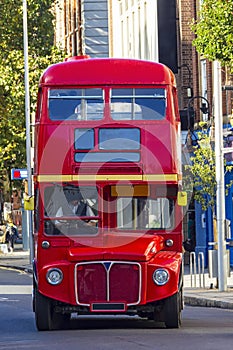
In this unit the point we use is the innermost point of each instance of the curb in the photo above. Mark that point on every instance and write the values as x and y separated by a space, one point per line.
203 302
21 268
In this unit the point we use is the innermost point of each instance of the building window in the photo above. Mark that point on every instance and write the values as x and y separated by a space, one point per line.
137 36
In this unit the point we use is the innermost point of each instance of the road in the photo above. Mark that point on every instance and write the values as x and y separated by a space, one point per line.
202 328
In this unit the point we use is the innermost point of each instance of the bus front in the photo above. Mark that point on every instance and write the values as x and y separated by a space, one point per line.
108 226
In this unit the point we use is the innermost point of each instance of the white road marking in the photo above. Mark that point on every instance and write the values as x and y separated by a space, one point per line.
15 289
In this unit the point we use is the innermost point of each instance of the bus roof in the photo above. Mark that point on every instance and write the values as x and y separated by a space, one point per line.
112 71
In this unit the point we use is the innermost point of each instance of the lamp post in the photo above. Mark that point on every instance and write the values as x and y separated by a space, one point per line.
27 121
220 193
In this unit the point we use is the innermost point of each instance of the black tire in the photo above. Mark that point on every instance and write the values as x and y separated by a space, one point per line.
43 312
45 316
172 311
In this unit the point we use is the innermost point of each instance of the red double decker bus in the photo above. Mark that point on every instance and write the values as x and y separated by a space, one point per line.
107 222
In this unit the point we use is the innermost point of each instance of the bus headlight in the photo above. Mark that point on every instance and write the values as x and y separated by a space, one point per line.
54 276
160 277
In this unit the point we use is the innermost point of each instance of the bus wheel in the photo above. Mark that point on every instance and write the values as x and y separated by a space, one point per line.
172 311
46 318
43 312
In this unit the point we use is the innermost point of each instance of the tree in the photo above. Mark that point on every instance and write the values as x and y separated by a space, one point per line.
40 26
214 31
12 91
200 176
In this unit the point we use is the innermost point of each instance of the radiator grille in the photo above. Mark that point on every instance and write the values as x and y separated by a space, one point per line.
108 281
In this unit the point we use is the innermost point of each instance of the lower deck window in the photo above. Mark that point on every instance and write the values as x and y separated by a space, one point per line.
145 213
82 210
71 210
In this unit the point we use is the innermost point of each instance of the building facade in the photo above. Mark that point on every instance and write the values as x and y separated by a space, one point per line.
82 27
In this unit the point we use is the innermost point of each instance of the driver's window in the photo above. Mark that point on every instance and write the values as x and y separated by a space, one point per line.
70 208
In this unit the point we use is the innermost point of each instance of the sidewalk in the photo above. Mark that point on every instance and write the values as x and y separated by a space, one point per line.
201 290
19 259
193 296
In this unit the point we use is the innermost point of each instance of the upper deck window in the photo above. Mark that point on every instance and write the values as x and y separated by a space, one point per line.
76 104
119 138
125 103
138 104
107 139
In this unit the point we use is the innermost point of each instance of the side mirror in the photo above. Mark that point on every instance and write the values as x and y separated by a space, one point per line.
29 203
182 198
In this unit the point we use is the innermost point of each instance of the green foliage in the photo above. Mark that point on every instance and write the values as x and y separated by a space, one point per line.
12 87
200 176
202 173
40 26
214 31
